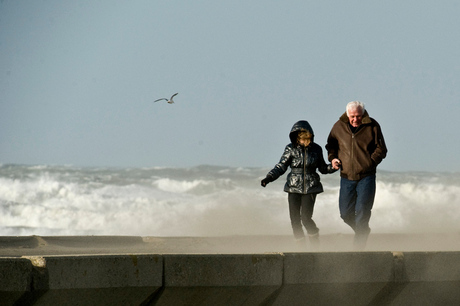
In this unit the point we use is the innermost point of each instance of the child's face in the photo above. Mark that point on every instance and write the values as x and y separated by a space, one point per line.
304 140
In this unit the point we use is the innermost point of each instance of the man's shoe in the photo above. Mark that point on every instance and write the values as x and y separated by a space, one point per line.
314 241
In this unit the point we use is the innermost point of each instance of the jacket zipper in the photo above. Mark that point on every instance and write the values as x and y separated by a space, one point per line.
353 141
352 152
305 170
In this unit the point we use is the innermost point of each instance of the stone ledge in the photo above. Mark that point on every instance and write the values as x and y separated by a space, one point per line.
348 278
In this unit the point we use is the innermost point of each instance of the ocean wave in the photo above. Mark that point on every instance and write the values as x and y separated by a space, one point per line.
205 200
193 186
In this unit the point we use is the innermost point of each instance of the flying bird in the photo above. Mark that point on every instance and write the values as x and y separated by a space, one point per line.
170 101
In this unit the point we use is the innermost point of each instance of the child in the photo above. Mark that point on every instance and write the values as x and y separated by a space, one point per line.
303 183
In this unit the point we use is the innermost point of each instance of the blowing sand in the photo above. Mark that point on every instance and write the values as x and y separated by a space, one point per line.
16 246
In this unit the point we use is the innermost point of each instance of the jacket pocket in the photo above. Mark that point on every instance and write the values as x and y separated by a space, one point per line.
365 165
313 180
294 181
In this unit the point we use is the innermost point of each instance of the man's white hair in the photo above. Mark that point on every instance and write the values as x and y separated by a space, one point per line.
355 105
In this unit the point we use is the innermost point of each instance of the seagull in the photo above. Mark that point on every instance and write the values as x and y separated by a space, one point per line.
170 101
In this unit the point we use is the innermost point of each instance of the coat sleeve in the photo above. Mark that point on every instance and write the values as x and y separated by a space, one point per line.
380 151
332 146
282 166
323 167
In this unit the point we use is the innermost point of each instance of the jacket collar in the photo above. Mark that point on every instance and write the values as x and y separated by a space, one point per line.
366 118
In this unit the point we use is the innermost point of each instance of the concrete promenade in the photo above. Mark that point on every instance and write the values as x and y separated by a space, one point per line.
248 270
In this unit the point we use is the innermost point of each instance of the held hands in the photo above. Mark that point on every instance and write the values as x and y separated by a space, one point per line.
336 164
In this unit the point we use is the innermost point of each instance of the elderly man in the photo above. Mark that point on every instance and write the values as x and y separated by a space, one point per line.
356 146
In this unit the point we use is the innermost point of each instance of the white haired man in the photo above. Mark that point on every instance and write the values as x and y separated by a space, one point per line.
356 146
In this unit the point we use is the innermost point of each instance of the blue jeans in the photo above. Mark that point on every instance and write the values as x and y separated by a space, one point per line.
355 203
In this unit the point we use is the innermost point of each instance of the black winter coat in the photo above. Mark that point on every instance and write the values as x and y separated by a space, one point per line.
303 161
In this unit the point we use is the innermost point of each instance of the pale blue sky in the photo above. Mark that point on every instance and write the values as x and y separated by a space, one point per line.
78 79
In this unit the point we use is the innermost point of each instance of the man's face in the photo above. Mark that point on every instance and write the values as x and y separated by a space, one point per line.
355 116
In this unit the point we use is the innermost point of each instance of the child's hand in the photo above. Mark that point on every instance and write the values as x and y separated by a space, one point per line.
265 181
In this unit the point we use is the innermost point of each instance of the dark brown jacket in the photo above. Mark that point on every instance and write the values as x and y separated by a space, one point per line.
359 152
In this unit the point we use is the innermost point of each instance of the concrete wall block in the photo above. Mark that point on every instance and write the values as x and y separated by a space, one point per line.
359 267
429 278
15 278
343 294
223 270
335 278
124 296
432 266
98 280
220 279
212 296
15 274
104 271
427 293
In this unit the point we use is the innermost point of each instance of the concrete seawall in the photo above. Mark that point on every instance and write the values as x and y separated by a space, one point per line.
293 278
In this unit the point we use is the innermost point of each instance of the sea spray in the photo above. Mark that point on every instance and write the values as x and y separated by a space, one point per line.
205 201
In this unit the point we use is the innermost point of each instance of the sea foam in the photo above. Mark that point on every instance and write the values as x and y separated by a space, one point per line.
205 201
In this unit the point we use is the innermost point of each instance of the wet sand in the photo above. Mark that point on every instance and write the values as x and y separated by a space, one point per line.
17 246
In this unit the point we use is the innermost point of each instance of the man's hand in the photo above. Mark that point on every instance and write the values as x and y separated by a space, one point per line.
336 164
